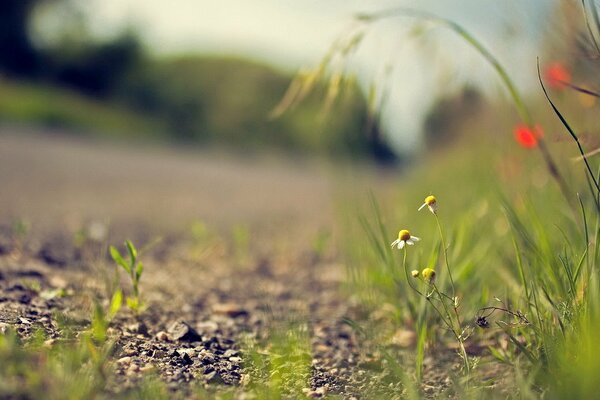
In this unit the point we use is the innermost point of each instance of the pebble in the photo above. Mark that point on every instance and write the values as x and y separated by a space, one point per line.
124 360
162 336
189 352
183 332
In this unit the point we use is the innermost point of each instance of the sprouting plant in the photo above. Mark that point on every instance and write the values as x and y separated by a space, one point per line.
446 306
134 268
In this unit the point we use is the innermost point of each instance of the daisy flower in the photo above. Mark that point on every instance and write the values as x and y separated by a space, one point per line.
404 238
431 203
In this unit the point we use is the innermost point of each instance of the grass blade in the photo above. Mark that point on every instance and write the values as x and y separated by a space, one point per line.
569 129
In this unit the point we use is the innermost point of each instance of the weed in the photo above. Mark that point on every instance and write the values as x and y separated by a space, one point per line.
134 269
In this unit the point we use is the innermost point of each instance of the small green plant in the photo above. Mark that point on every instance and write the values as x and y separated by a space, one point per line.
134 269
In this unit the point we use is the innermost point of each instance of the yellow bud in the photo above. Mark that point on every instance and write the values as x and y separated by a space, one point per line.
430 200
428 275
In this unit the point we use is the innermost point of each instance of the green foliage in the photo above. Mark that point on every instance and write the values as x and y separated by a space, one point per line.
281 367
134 269
47 106
228 101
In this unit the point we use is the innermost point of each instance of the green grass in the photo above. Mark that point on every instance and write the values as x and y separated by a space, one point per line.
512 236
30 104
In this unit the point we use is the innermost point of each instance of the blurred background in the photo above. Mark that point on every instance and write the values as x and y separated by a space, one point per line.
212 77
207 73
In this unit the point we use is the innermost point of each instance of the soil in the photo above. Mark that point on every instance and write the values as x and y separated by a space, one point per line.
226 244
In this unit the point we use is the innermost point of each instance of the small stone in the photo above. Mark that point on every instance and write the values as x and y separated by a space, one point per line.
235 360
162 336
3 327
138 327
181 331
231 310
189 352
214 378
124 360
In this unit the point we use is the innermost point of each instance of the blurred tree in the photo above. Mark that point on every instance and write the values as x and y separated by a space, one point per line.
96 68
18 56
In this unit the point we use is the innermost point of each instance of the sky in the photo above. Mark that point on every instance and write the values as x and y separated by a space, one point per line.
293 34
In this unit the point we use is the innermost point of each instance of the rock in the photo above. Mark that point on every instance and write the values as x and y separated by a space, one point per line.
162 336
138 327
214 378
231 310
230 353
189 352
182 332
124 360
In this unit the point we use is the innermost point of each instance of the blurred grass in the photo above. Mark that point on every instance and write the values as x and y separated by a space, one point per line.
197 101
45 106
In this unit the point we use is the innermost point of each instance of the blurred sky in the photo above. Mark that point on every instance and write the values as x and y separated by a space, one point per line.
296 33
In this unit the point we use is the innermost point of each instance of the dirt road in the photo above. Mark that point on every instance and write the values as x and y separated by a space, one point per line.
203 294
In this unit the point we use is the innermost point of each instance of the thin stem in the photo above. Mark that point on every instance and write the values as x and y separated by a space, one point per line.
407 275
439 225
456 332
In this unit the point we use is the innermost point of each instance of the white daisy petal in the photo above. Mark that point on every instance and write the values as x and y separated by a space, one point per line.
410 242
420 208
416 239
401 244
395 242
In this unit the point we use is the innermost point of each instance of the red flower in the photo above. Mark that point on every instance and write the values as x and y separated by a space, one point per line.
528 137
557 75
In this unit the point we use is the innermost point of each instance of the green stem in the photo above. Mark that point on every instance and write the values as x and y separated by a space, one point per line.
439 225
456 332
407 274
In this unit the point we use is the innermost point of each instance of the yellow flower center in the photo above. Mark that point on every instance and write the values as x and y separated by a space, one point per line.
404 235
430 200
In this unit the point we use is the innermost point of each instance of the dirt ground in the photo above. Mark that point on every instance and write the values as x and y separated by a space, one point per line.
228 256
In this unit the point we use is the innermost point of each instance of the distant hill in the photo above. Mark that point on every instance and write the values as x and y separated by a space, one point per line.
201 101
228 101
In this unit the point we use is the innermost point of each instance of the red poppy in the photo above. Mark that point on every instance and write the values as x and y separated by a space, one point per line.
528 137
557 75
